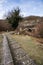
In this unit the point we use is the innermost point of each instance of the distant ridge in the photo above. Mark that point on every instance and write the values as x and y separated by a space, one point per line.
4 25
32 17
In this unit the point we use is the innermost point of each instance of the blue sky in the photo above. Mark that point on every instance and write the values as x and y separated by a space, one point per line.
28 7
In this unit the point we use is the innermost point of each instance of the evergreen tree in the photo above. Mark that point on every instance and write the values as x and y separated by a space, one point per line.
14 17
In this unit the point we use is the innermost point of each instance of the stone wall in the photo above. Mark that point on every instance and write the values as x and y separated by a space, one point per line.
19 55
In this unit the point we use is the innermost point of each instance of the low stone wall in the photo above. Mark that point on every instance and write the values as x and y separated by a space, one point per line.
20 57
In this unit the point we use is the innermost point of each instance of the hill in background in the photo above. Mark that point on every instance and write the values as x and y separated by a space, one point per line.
4 25
31 25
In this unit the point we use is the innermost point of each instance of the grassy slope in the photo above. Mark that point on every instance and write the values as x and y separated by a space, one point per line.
32 47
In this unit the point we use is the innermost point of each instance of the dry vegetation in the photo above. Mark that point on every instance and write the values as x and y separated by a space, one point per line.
39 27
31 46
4 25
35 23
32 25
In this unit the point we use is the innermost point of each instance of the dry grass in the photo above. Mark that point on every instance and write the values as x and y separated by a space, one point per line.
40 40
31 46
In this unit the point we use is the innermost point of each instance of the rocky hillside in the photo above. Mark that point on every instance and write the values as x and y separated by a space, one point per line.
30 25
30 21
33 19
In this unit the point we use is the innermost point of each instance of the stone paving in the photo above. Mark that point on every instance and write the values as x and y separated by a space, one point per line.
7 58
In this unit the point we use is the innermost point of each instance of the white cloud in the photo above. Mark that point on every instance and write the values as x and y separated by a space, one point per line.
28 7
1 14
32 8
2 8
3 1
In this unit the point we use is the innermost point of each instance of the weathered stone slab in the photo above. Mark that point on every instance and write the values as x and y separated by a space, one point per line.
7 57
20 57
15 46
